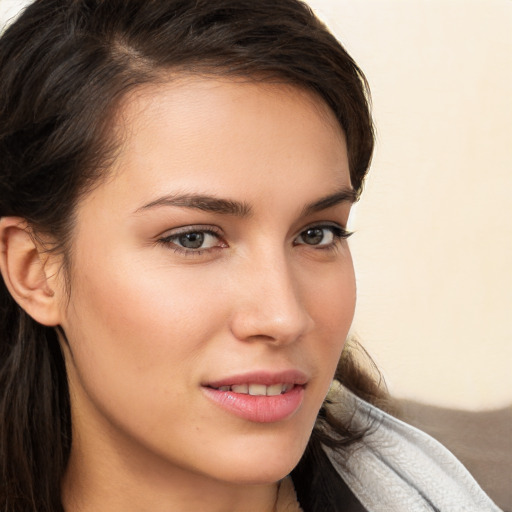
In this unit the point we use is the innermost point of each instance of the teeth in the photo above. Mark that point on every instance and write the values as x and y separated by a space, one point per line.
258 389
241 388
287 387
274 390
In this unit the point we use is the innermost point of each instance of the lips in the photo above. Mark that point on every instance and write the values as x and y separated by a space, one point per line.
262 397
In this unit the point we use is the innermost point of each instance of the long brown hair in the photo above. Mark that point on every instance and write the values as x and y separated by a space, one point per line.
65 65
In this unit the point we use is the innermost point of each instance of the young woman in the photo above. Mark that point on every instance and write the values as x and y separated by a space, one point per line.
176 180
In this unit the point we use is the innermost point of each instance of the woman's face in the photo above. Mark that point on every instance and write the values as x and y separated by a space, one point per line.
210 269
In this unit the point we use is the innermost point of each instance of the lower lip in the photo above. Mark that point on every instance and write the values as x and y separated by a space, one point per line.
259 409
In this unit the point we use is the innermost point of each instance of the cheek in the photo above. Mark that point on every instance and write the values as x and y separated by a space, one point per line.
139 338
330 294
155 306
135 332
331 303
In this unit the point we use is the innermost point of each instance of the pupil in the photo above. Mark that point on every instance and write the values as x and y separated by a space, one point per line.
192 240
313 236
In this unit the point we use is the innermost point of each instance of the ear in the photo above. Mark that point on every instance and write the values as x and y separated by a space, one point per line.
28 272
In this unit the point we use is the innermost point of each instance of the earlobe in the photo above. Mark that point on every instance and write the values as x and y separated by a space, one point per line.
25 271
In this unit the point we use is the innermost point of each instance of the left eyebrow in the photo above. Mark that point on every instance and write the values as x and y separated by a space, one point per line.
201 202
346 195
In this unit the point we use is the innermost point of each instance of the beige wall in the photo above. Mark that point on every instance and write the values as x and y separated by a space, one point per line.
433 247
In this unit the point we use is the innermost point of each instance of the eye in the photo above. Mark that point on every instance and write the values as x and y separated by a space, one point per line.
193 240
322 236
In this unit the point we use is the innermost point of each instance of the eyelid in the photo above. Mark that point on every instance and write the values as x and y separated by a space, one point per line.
338 231
342 230
183 230
168 237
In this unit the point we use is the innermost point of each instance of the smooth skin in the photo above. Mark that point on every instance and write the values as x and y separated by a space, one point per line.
168 293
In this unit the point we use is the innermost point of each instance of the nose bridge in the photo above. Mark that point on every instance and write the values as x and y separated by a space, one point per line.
271 307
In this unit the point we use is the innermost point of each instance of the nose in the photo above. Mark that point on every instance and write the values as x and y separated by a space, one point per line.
268 305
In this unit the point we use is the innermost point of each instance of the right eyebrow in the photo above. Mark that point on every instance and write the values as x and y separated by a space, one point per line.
201 202
345 195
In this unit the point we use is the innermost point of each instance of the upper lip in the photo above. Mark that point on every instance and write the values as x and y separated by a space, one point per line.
268 378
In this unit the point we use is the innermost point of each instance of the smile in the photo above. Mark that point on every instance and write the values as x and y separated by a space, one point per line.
258 389
261 396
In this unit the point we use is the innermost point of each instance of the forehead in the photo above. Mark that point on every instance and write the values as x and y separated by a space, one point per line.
225 134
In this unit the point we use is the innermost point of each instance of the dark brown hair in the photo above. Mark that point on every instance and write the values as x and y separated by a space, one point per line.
65 65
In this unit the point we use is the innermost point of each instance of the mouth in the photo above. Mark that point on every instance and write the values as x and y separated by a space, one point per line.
257 389
259 397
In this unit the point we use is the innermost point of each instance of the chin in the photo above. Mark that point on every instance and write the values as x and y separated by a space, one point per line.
264 460
261 474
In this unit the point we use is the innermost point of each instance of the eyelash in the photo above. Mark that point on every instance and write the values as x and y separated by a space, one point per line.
168 240
339 233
